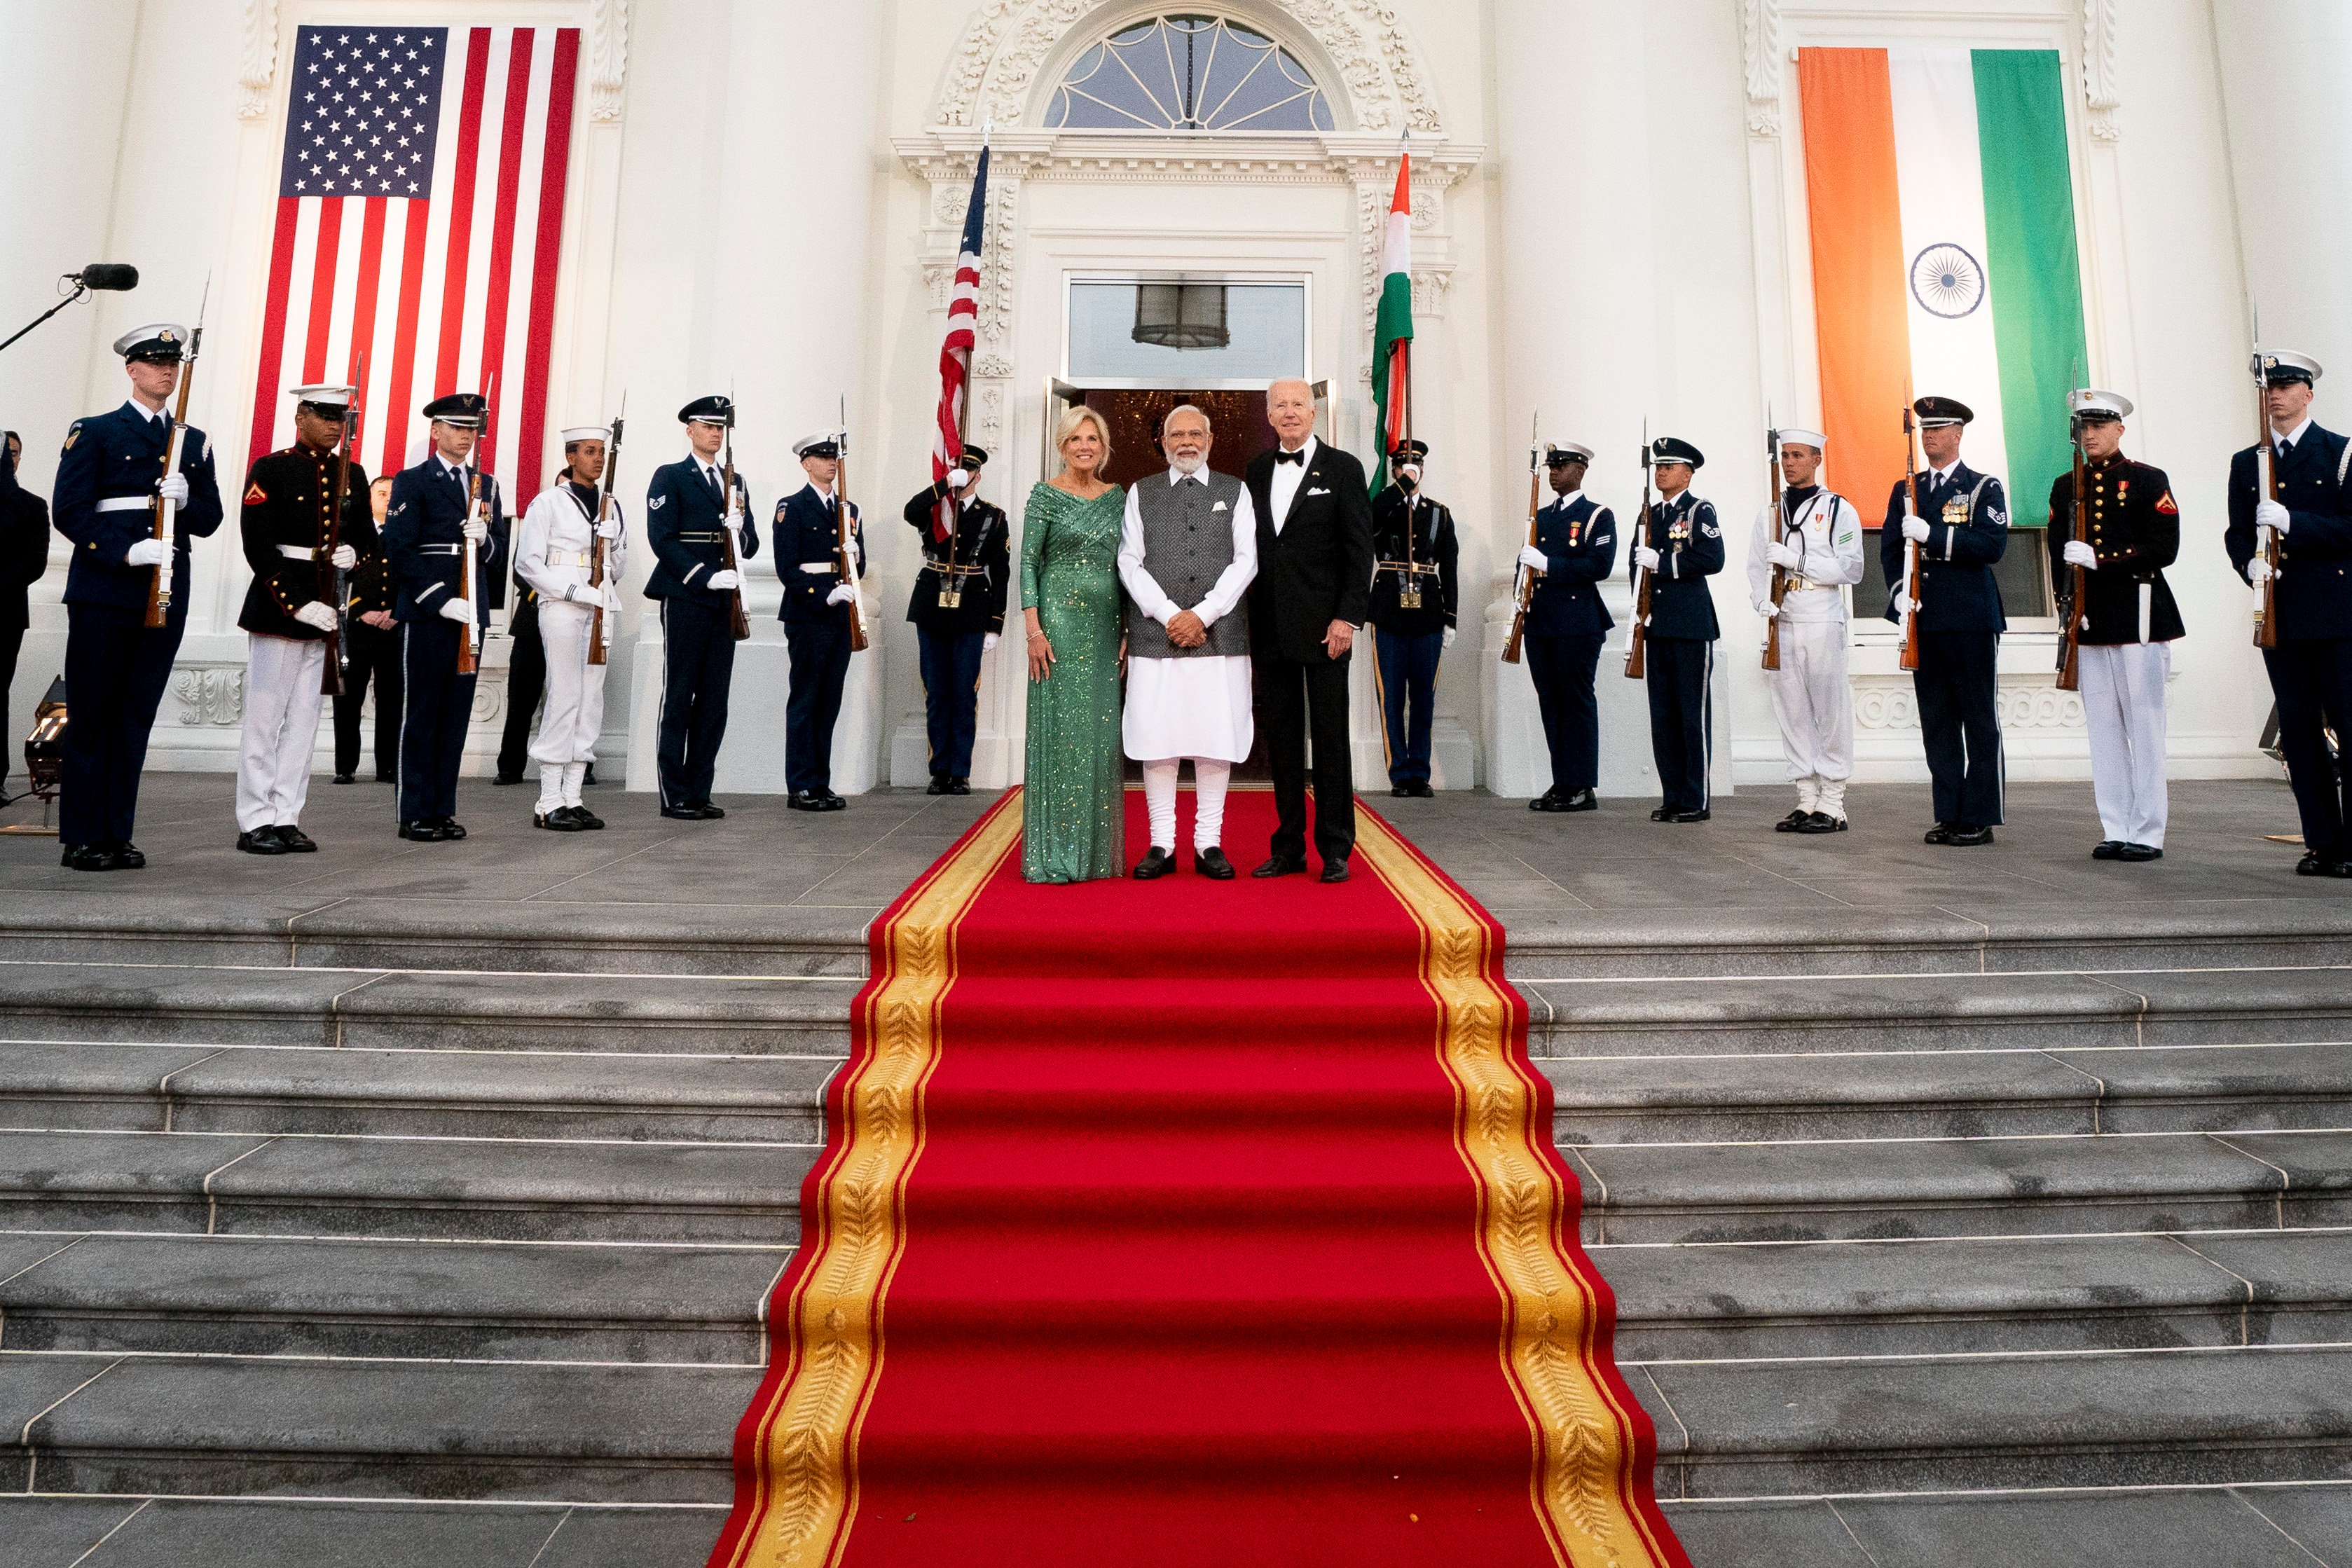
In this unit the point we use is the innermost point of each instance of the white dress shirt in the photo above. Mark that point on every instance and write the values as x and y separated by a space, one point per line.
1287 478
1223 594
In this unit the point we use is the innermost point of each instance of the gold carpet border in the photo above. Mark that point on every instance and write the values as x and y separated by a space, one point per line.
805 1459
1582 1437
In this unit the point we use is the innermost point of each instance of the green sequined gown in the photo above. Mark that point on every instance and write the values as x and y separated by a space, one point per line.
1074 811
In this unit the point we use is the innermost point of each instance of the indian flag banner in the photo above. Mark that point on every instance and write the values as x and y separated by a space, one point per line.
1392 331
1942 215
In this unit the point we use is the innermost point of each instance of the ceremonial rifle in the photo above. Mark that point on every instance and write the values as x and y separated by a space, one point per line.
2266 486
333 582
2077 614
166 514
1910 659
1780 533
844 560
951 589
1636 640
599 634
1524 590
470 647
737 622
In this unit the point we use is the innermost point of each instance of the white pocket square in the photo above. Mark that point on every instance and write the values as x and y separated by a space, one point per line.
1318 491
1218 507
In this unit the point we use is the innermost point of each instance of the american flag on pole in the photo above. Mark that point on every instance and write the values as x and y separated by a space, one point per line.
955 352
420 211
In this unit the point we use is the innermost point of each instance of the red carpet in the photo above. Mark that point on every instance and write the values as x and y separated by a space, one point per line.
1191 1223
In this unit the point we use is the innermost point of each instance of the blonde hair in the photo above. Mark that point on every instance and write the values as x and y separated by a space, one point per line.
1082 414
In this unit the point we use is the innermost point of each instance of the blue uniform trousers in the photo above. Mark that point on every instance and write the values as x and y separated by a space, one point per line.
698 668
1959 724
437 704
116 670
2313 683
820 652
951 663
1561 669
1681 721
1406 664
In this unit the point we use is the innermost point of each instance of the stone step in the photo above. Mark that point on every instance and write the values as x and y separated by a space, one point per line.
505 1430
1753 1097
1757 1428
411 1093
2210 1289
1964 1186
434 1188
225 1295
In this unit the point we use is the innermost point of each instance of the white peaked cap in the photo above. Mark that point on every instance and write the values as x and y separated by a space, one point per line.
2274 360
325 397
2087 401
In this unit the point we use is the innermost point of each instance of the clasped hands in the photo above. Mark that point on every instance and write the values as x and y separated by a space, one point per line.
1186 629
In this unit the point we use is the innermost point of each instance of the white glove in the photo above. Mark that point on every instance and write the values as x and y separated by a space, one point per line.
725 580
2078 553
1904 604
148 553
1534 560
842 593
987 642
1783 555
477 529
958 477
1914 529
610 527
344 558
612 598
1449 639
317 613
174 488
2258 572
1766 608
457 610
1645 558
2270 514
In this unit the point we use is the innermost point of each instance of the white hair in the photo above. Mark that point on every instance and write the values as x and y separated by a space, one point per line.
1186 409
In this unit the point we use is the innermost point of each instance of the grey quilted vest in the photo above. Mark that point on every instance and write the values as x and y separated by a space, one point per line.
1188 543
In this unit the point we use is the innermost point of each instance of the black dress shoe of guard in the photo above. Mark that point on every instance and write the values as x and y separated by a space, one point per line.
346 778
2311 864
383 777
1156 863
1424 790
451 828
1212 863
1663 814
1578 800
1334 871
1939 834
125 856
1794 822
82 857
585 817
2139 853
2107 850
297 842
709 813
1701 814
830 801
1280 865
559 820
263 840
422 832
1969 838
694 812
955 786
939 784
505 779
799 800
1547 801
1400 792
2340 868
1823 822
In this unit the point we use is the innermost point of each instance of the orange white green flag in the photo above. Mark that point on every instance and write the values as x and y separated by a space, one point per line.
1392 331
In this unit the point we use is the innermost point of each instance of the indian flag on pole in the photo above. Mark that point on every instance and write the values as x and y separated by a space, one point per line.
1392 330
1942 217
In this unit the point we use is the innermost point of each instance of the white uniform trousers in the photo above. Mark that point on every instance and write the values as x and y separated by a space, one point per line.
2123 704
1813 698
282 703
574 712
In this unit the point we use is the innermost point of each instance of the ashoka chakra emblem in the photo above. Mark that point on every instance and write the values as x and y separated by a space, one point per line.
1946 280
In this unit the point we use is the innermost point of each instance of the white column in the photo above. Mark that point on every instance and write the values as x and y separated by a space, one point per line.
1580 301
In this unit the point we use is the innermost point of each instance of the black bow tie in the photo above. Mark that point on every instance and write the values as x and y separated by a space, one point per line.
1299 457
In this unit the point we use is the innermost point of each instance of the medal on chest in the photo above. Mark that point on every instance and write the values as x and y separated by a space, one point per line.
1955 512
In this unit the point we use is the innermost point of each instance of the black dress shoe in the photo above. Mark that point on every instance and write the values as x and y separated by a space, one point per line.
263 840
1969 838
2107 850
504 779
1280 865
382 777
422 832
346 778
799 800
2311 864
694 812
451 828
709 813
955 786
125 856
1400 792
1578 800
2138 853
1547 801
1424 790
297 842
1794 822
830 802
1156 863
1939 834
1823 822
1212 863
559 820
2342 868
1663 814
939 784
82 857
585 817
1701 814
1334 871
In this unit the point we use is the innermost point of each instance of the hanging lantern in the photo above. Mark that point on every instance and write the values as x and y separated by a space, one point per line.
1181 315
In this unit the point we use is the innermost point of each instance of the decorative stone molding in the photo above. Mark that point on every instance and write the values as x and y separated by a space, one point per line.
1759 43
257 58
608 58
2102 90
1886 702
210 694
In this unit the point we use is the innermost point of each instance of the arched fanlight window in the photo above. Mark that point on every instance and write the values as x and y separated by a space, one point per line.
1188 73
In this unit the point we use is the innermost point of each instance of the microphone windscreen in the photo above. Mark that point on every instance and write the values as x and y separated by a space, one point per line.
112 275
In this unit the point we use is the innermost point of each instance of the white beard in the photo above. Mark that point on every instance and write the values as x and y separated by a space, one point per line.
1187 465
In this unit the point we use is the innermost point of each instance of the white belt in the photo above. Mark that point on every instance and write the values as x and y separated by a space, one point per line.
440 550
297 552
826 567
126 503
569 558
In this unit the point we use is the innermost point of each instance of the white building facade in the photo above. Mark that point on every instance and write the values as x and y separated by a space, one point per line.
1610 228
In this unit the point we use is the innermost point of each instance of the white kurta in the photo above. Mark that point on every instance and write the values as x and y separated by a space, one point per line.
1197 706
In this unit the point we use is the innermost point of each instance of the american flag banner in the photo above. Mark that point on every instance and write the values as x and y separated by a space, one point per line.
420 212
955 352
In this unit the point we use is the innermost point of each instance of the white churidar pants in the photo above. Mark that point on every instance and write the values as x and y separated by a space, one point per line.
282 703
2123 703
1812 698
1210 777
574 712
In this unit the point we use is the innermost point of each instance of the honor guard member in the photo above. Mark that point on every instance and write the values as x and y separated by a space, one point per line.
958 610
1682 546
1961 529
372 639
291 611
555 556
818 603
425 529
1819 549
1574 553
2311 668
1415 591
2125 654
688 516
116 667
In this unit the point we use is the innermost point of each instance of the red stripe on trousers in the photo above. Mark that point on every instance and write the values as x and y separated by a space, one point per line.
461 209
494 308
555 154
273 326
323 287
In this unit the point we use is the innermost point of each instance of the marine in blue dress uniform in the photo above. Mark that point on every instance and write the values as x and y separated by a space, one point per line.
116 667
1408 638
688 515
1961 529
818 603
426 527
1574 553
953 637
2311 668
1681 543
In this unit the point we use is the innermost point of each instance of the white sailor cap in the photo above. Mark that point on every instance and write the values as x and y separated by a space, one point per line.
336 397
2279 364
1788 434
166 342
821 443
2098 407
587 432
1556 452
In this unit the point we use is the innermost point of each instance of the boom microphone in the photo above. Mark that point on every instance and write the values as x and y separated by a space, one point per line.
109 275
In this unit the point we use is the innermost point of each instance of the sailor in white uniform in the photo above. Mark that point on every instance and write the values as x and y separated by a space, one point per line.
557 557
1820 549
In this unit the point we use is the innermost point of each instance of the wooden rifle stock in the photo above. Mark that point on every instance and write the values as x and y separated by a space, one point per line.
597 638
1637 640
2078 613
1527 588
844 559
737 622
332 583
1910 659
2266 485
469 652
1780 574
159 582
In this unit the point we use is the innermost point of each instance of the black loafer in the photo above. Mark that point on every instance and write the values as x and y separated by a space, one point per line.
1547 801
1578 800
346 778
1969 838
451 828
1334 871
694 812
263 840
1701 814
799 800
1212 863
1156 863
955 786
1794 822
1823 822
297 842
2138 853
1939 834
422 832
1663 814
2107 850
709 813
939 784
1280 865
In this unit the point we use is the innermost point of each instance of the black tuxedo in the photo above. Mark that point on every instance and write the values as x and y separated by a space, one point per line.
1316 568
